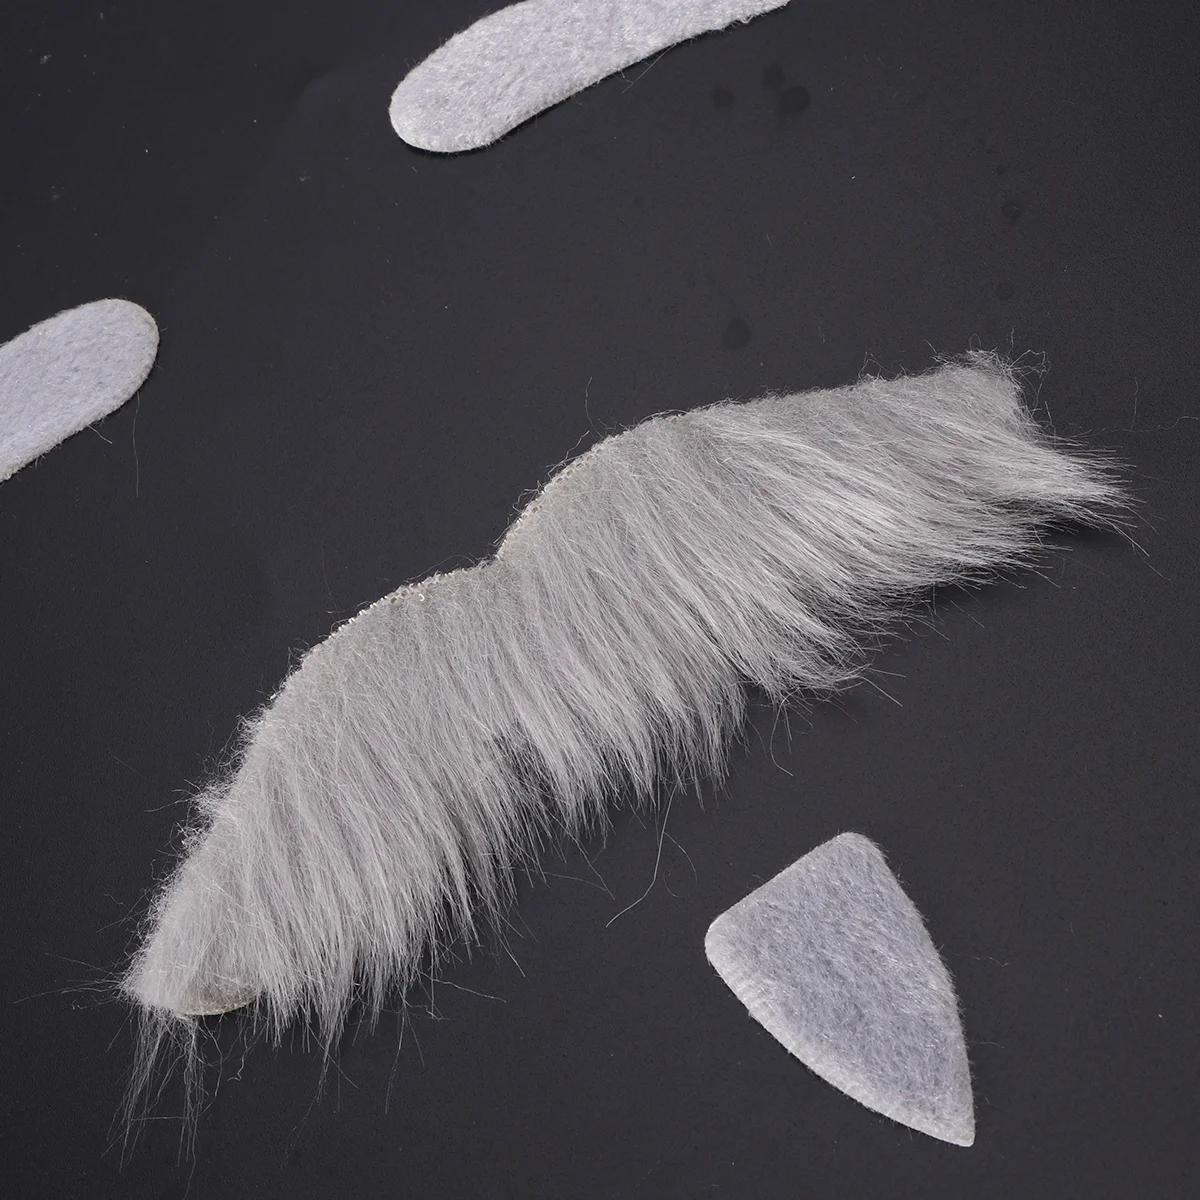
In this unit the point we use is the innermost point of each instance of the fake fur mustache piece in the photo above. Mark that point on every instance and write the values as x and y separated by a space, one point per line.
433 742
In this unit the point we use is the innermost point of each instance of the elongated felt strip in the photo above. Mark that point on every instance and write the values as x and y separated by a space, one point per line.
68 371
834 960
514 63
429 744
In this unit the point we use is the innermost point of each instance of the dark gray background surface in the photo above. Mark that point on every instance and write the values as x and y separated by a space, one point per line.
370 354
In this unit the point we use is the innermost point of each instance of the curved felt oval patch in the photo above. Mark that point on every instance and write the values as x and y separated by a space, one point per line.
68 371
515 63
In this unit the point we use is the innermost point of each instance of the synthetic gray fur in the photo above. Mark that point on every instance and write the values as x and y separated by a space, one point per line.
833 959
514 63
68 371
433 741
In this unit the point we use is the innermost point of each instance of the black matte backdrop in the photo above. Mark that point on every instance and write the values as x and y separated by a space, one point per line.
369 354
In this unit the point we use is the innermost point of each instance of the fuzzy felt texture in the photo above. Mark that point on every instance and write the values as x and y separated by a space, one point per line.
833 959
432 742
68 371
515 63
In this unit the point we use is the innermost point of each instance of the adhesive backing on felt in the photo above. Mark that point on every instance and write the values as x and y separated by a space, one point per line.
834 960
68 371
511 65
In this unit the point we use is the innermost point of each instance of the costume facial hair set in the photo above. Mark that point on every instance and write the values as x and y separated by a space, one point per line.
384 795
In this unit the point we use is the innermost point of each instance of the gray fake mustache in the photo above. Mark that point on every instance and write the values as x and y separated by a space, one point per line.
434 741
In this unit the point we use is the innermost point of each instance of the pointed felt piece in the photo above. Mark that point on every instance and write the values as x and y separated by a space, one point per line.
834 960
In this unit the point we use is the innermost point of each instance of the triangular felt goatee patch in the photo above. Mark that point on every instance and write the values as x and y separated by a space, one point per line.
833 959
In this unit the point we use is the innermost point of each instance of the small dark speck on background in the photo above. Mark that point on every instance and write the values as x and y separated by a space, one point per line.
1004 291
794 100
773 77
1012 209
722 97
736 335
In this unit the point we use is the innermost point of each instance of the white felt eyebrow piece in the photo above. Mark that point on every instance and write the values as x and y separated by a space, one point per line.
431 743
832 958
515 63
68 371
